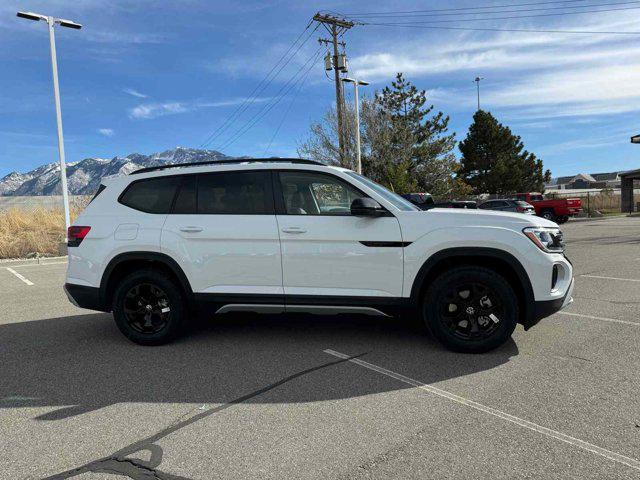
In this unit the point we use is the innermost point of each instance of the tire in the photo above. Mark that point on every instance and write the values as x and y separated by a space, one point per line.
549 215
468 326
139 308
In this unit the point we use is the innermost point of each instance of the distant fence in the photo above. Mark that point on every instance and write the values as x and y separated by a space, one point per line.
33 202
605 201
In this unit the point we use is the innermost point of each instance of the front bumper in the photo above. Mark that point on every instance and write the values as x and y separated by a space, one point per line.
547 308
84 297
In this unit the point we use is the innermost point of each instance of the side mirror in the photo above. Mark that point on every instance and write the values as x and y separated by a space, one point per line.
366 207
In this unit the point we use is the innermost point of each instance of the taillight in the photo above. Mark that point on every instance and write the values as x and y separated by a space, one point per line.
75 235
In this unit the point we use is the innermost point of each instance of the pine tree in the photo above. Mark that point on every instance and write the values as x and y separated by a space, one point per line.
405 145
421 151
494 159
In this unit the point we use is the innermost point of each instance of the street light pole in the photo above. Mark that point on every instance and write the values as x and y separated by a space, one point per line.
56 97
51 22
477 80
356 83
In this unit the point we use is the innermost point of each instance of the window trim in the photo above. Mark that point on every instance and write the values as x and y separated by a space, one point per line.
279 195
130 185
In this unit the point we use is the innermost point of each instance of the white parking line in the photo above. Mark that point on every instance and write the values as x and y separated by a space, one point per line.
25 280
604 319
608 454
612 278
39 264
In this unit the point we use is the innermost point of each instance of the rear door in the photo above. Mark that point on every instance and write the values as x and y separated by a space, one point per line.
224 234
327 252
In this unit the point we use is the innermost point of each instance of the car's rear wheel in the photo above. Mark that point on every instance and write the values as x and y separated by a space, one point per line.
470 309
149 308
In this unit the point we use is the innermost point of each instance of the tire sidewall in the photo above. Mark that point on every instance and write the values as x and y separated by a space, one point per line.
548 214
483 275
176 302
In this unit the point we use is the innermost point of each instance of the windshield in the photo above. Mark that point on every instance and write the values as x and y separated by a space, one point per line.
397 201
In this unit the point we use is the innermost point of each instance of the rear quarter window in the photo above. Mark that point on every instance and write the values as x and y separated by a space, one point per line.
152 195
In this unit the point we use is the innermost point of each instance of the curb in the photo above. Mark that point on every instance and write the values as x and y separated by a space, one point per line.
30 261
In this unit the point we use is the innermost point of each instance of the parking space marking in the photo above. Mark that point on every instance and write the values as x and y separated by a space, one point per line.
40 264
604 319
612 278
608 454
25 280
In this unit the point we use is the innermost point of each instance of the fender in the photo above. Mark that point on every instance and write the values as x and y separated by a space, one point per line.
162 258
528 302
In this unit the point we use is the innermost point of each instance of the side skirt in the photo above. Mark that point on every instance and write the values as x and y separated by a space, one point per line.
209 303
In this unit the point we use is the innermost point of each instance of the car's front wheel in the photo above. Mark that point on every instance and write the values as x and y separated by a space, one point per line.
470 309
149 308
548 215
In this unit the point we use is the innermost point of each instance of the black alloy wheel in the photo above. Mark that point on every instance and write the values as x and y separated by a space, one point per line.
470 309
147 308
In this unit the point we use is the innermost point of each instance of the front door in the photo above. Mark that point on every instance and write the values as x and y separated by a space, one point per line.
327 252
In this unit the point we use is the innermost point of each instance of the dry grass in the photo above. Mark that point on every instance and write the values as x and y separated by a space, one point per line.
29 231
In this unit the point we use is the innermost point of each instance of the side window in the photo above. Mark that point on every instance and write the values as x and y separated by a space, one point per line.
186 200
153 195
486 205
310 193
238 193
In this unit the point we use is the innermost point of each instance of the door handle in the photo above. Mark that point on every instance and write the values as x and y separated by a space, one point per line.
293 230
191 229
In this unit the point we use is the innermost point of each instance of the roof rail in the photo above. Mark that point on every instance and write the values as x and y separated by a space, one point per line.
227 162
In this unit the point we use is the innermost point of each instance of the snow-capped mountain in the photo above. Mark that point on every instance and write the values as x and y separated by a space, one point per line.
83 177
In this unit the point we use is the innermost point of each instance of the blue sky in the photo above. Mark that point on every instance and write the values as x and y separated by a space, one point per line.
146 76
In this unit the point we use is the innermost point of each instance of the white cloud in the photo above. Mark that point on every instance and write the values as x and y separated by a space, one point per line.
529 74
134 93
153 110
107 132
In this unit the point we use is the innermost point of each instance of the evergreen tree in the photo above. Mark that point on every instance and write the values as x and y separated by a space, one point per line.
405 146
494 159
420 151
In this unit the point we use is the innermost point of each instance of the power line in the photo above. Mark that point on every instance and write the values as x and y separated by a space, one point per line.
488 29
457 14
469 8
286 113
510 17
259 88
267 108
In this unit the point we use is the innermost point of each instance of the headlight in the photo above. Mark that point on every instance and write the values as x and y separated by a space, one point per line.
546 239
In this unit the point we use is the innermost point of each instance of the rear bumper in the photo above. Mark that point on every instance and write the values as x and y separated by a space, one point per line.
547 308
84 297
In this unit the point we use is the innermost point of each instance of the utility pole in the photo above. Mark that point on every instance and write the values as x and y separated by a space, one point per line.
477 80
51 22
336 26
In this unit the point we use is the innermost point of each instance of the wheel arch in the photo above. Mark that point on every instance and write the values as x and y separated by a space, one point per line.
125 263
498 260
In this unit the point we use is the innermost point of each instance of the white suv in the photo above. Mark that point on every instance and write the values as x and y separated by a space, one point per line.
287 235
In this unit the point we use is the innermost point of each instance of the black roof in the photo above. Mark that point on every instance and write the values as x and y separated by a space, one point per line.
227 162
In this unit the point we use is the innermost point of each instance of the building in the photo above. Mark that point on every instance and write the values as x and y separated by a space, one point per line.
627 191
583 181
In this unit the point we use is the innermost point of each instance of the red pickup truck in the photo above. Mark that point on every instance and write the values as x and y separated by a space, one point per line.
557 210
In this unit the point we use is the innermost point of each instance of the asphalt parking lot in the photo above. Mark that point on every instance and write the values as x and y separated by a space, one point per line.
326 397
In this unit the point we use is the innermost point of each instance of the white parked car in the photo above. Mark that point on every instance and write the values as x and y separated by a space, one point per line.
287 235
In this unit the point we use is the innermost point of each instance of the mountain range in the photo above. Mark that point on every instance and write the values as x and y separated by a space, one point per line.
83 177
